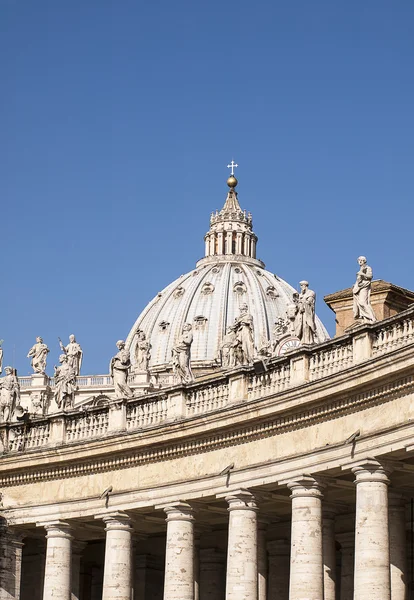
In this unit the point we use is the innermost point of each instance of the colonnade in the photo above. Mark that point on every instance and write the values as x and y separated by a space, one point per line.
373 565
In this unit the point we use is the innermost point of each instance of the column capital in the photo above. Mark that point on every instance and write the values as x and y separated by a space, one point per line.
240 499
278 547
177 511
57 529
117 521
306 485
370 470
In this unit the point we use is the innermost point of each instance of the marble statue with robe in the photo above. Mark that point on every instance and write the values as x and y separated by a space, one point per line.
362 292
119 370
65 383
227 353
9 394
305 326
243 326
74 353
181 355
142 352
38 354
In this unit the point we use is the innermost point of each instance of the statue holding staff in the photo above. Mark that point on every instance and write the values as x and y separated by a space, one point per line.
362 292
243 326
74 353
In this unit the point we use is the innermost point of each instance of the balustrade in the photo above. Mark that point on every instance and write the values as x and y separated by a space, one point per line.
393 336
207 398
87 425
330 360
147 413
273 381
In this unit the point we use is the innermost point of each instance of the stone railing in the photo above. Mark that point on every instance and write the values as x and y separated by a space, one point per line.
270 382
332 359
147 413
88 424
206 398
304 365
394 335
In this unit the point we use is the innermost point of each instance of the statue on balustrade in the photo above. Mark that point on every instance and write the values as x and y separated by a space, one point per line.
181 355
74 353
243 326
38 354
362 292
305 326
227 355
142 352
279 330
119 370
65 384
9 394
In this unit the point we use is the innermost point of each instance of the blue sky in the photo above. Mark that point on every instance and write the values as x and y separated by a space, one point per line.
118 118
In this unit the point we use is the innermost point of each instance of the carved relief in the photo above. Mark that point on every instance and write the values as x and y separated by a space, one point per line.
239 287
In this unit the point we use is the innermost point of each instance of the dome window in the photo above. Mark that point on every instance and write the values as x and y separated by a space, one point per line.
208 288
271 292
179 292
239 288
164 325
200 321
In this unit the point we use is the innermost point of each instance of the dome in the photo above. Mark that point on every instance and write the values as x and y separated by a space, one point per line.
210 297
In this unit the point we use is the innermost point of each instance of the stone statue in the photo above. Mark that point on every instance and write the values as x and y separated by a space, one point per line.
119 370
227 353
181 355
142 352
362 292
243 326
305 326
38 353
65 383
9 394
74 353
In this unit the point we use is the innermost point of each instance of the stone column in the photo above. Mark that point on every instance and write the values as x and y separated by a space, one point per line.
241 581
197 566
398 546
117 580
329 554
372 552
306 558
58 568
279 567
261 561
179 555
212 577
11 547
77 548
347 541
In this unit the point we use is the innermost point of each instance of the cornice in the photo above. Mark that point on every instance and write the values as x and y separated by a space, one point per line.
273 425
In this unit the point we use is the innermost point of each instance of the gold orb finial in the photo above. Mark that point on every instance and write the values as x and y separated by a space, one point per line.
232 181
